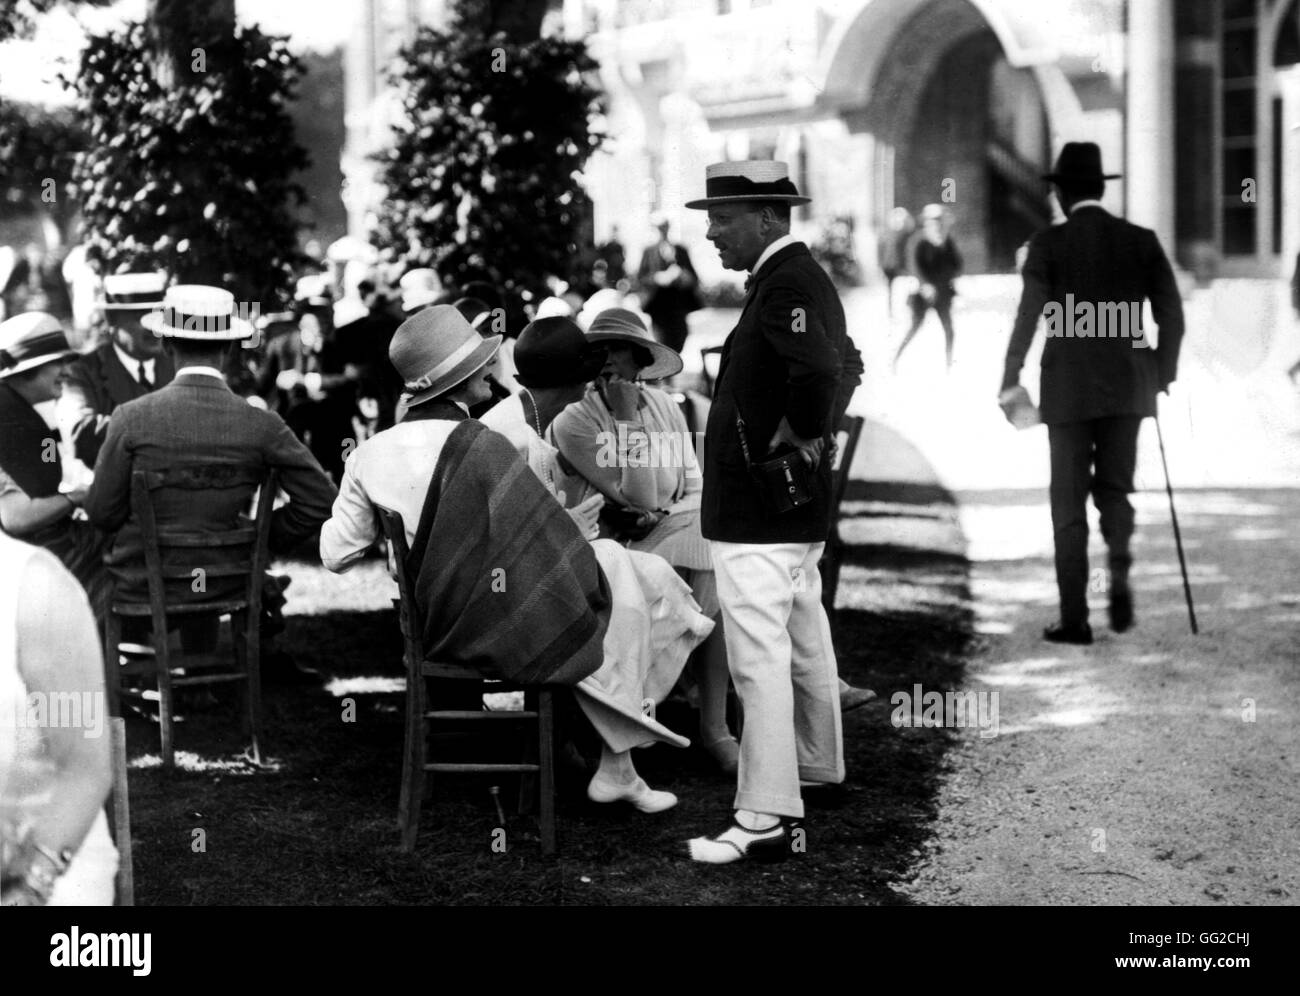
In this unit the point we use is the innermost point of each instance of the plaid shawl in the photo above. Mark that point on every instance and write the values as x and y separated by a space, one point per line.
510 586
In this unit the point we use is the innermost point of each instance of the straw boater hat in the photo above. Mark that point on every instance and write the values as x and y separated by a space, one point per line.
615 325
313 290
31 340
200 313
436 349
133 291
748 180
1079 161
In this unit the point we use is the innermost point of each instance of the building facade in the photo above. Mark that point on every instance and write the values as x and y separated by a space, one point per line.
884 103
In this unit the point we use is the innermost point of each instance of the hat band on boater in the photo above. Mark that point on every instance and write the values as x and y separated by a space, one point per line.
138 299
742 186
189 322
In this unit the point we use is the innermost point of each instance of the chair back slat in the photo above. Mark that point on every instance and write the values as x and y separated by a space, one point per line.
846 438
251 540
203 477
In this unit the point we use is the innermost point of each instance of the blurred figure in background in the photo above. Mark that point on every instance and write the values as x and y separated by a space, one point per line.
892 250
128 366
316 392
35 284
937 264
614 256
668 286
1295 304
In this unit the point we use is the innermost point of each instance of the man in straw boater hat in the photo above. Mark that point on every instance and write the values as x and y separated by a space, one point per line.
128 366
1097 384
788 370
485 540
196 426
36 500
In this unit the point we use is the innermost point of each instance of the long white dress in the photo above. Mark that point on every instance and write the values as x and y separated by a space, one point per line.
23 778
654 624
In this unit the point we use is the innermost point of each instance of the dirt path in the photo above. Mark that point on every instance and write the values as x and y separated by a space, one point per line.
1151 768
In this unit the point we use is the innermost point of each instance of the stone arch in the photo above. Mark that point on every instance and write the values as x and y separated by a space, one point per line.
879 70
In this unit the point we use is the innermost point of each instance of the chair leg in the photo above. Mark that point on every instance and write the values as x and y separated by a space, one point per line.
112 662
413 756
546 762
245 636
163 680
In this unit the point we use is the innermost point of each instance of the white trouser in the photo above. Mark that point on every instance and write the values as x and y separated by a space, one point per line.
783 665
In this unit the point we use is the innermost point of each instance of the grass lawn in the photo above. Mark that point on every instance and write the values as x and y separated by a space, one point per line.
317 825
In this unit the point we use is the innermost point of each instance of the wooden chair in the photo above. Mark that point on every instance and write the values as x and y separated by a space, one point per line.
119 811
178 555
846 438
422 714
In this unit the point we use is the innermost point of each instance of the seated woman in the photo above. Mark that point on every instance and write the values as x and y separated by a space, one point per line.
33 505
509 585
54 776
631 443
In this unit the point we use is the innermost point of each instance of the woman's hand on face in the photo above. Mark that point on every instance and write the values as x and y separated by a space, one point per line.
622 396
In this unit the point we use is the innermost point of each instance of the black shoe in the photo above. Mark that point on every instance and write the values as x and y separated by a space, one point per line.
1121 609
1060 633
279 668
824 795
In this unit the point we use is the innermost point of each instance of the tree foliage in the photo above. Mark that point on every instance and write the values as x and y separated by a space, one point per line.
193 178
482 175
38 147
18 17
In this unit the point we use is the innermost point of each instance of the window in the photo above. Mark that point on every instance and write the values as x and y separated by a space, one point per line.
1238 127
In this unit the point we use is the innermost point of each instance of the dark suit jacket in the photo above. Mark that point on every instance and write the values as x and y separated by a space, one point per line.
788 356
198 421
674 302
1103 261
95 385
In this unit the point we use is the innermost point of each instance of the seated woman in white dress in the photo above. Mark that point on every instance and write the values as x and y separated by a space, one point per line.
508 585
606 461
55 763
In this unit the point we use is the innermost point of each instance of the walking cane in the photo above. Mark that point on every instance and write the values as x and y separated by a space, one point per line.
1178 536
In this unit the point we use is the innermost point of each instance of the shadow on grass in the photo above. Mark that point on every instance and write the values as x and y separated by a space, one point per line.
318 825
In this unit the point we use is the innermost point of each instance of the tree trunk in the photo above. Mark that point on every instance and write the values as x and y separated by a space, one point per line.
521 20
181 30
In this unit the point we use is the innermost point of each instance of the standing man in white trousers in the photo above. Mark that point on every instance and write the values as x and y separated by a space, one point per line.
788 370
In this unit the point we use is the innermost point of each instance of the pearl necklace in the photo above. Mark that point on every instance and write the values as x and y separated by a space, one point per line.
537 422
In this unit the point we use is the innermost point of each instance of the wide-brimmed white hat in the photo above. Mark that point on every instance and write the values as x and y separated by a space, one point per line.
621 325
436 349
420 288
313 289
748 180
133 291
31 340
199 312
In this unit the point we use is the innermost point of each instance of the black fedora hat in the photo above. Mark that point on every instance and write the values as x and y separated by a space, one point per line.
1079 161
553 352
